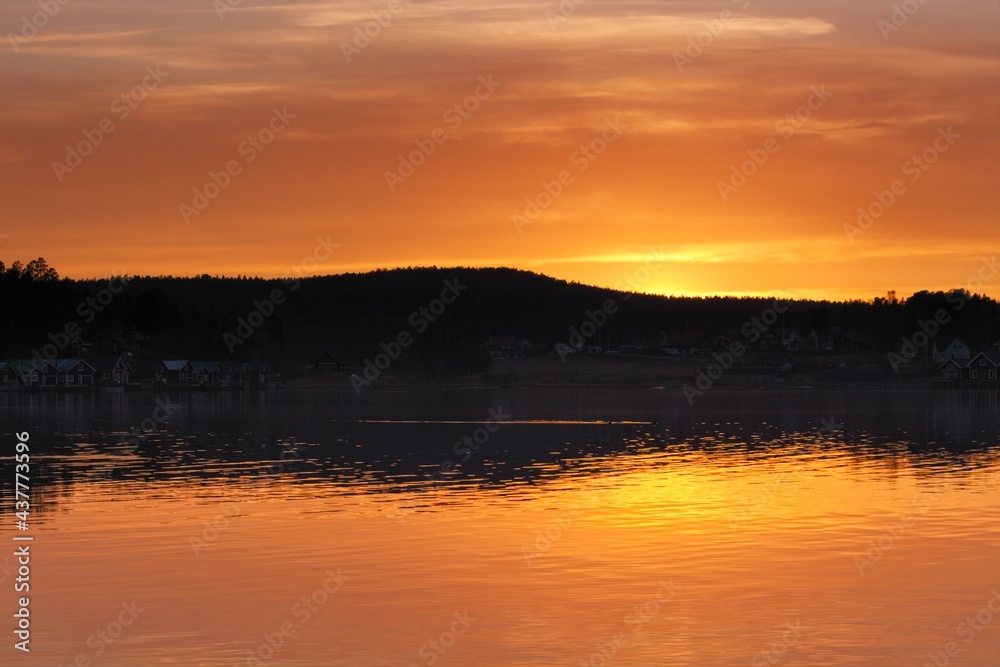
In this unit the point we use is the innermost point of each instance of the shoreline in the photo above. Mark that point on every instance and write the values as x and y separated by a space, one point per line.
654 373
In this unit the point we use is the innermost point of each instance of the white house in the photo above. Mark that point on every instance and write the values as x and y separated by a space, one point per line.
951 348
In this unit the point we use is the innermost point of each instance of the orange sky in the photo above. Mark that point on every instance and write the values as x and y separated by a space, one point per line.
561 78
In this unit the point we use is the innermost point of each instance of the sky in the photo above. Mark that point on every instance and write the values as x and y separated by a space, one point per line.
811 149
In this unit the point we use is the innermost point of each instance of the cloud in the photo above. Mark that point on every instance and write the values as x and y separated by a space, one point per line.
561 81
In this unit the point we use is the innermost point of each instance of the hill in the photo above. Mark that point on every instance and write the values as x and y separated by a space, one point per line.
445 321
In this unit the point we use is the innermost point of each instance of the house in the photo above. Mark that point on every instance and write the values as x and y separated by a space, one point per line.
328 362
9 380
114 345
255 374
35 373
145 372
74 373
722 342
792 341
204 373
21 370
851 343
678 342
951 371
981 370
500 347
951 348
210 374
112 371
226 372
80 346
813 341
173 372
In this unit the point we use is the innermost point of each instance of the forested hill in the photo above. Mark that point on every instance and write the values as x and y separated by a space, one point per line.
350 315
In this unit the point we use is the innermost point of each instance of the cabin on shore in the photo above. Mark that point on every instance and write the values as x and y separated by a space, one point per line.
118 373
74 373
255 374
951 371
144 372
33 374
204 373
173 372
951 348
8 378
112 371
981 370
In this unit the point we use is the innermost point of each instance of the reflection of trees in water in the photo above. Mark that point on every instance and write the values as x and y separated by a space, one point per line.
249 437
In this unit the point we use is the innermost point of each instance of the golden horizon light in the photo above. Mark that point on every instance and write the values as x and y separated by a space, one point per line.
826 151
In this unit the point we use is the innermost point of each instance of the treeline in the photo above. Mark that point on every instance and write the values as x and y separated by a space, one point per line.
291 323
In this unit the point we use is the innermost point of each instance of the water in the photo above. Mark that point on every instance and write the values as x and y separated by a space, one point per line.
590 527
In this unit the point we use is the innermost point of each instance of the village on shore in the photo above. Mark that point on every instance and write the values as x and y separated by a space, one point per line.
119 373
843 359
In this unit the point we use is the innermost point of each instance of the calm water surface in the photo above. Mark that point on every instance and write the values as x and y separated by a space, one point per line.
590 527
